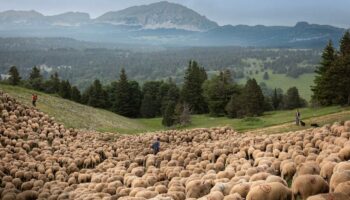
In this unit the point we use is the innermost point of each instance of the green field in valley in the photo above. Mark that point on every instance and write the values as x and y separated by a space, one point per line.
303 82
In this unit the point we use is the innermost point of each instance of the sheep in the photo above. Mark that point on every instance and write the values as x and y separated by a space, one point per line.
27 195
271 191
308 185
337 178
335 196
41 156
197 188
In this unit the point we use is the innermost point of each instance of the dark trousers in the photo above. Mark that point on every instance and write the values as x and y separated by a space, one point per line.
34 103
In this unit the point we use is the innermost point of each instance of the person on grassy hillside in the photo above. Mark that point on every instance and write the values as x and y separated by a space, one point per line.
156 146
34 99
297 118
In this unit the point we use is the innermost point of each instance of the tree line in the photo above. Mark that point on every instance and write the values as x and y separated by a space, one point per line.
218 95
81 65
332 83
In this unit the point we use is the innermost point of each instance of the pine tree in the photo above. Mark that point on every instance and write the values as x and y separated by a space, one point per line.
169 92
338 74
192 92
96 96
169 114
55 81
123 96
338 77
266 76
65 89
217 92
252 99
323 91
233 107
14 78
292 99
75 94
345 44
35 79
151 101
52 85
277 99
148 107
227 77
135 98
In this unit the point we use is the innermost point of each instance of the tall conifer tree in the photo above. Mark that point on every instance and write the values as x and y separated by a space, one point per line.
323 90
14 78
122 104
253 99
36 79
192 92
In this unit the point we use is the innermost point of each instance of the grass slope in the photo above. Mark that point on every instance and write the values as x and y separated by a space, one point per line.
278 119
76 115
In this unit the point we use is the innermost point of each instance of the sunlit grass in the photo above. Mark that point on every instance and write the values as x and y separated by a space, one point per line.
79 116
75 115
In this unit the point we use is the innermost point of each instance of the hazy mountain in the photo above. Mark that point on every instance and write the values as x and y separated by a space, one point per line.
302 34
163 23
21 17
159 15
69 19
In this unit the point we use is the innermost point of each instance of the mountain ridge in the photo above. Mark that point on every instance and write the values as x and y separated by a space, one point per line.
163 23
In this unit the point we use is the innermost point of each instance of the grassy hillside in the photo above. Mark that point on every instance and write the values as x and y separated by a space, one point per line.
76 115
270 119
84 117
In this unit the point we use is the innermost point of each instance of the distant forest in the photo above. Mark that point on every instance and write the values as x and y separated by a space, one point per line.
218 95
82 63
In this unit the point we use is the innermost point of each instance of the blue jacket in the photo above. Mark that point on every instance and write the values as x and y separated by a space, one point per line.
156 146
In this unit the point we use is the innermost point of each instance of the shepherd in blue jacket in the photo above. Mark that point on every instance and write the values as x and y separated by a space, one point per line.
156 146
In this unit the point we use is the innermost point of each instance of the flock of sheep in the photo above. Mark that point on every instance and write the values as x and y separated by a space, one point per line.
41 159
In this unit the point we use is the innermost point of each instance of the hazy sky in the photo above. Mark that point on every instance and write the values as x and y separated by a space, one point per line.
251 12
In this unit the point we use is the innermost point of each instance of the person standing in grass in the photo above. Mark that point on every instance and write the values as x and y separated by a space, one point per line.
34 99
297 118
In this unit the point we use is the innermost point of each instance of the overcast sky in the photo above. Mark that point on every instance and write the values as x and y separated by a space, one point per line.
251 12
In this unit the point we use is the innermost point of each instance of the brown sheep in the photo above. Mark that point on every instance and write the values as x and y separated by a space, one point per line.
27 195
8 196
242 189
270 191
161 189
307 168
327 170
343 188
337 178
273 178
332 196
344 153
234 196
342 166
146 194
288 170
308 185
198 188
225 188
27 186
216 195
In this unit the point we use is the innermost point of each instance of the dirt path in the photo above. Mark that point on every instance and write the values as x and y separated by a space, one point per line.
321 120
